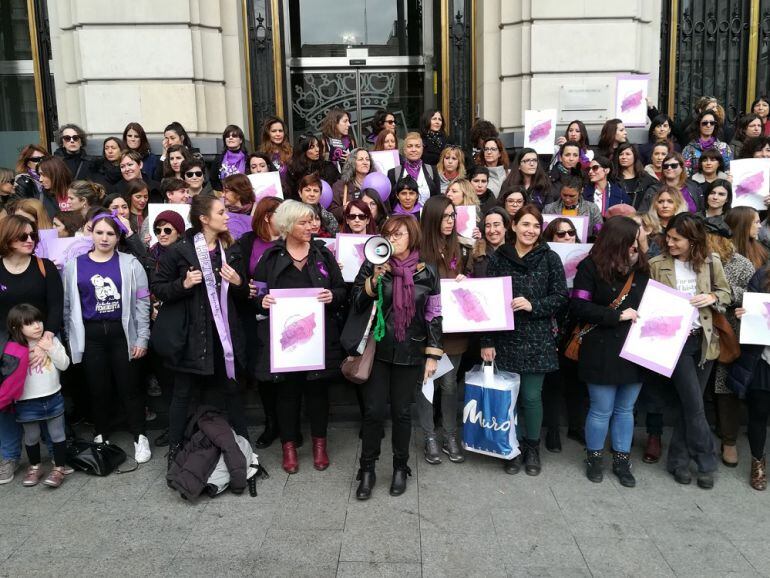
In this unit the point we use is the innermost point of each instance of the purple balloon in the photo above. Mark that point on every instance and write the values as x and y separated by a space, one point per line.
326 194
379 183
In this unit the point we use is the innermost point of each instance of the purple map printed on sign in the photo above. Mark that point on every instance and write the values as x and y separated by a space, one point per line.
462 221
358 251
470 305
297 332
661 327
750 185
268 191
572 261
540 131
631 101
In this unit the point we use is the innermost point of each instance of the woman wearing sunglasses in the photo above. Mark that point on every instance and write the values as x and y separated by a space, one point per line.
704 137
675 176
194 174
600 190
27 183
561 230
72 150
357 219
25 279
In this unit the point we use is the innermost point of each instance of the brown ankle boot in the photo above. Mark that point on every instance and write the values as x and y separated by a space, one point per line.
652 451
758 474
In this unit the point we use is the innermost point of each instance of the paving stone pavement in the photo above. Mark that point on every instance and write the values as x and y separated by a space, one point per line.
467 519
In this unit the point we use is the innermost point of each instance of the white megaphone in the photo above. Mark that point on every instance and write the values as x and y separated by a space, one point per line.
378 250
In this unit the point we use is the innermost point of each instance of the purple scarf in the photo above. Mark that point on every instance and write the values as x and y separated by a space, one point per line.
708 143
232 164
35 179
691 206
403 292
413 168
415 212
258 249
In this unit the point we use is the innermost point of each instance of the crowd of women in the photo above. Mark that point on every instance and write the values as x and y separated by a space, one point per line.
188 315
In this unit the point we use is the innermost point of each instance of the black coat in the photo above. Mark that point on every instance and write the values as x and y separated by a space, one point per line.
694 188
539 277
208 436
324 273
599 360
637 188
82 166
423 336
741 373
197 355
25 188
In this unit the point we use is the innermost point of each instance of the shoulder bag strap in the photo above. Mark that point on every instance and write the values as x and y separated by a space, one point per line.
41 266
623 292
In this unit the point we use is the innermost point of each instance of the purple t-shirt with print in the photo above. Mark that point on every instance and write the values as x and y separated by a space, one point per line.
99 285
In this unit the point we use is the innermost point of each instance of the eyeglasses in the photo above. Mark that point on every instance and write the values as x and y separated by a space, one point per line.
490 149
670 166
594 168
357 217
395 236
191 174
564 234
449 217
528 161
70 138
390 122
24 237
708 122
510 201
35 160
163 230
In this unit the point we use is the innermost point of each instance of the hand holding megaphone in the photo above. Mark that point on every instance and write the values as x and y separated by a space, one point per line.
379 271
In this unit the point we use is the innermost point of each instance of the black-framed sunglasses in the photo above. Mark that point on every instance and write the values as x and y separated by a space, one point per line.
70 138
190 174
357 217
163 230
670 166
564 234
594 168
708 122
35 160
24 237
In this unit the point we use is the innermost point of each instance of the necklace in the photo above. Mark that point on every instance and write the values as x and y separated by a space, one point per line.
296 260
16 268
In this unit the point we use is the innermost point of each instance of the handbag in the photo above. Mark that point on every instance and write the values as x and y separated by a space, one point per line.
572 349
97 459
357 367
729 348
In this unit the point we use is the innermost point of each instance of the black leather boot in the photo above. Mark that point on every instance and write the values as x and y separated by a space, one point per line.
621 467
594 461
400 473
532 457
269 435
368 478
512 467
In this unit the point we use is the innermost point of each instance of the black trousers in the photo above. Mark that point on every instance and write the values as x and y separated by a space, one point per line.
563 386
105 361
289 402
758 403
217 390
398 382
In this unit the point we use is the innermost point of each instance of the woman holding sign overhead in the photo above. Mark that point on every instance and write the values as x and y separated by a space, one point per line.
686 266
540 291
608 289
197 331
408 345
295 262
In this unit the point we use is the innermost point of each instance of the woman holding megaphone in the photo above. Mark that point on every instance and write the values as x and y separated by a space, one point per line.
407 333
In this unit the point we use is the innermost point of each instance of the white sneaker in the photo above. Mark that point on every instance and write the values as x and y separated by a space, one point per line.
142 453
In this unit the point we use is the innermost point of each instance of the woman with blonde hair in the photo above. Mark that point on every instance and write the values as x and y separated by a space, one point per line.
666 203
33 210
450 166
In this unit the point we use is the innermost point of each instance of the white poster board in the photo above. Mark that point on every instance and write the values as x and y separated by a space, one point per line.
350 254
755 324
571 254
482 304
266 185
540 130
297 331
631 99
751 182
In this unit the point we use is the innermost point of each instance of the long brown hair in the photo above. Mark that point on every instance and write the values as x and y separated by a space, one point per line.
690 227
266 146
259 222
60 175
610 251
26 153
740 220
201 206
438 249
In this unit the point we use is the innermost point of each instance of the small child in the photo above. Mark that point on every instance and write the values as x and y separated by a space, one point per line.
42 400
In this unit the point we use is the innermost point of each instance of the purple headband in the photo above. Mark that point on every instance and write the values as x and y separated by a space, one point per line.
114 217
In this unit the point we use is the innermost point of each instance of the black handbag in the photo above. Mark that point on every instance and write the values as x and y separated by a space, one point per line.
169 331
96 459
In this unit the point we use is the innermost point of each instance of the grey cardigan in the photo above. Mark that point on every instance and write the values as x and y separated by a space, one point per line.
134 306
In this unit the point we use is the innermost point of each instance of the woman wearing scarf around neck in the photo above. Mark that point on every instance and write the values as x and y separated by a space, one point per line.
200 279
425 175
233 160
405 199
238 194
275 144
704 137
295 262
434 138
408 325
348 187
337 139
253 244
107 320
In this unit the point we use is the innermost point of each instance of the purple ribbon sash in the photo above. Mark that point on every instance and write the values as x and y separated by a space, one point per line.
218 304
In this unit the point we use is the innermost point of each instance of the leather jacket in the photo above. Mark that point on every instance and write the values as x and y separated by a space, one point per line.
423 336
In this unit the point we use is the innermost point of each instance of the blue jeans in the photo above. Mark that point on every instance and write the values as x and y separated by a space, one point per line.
616 402
10 436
